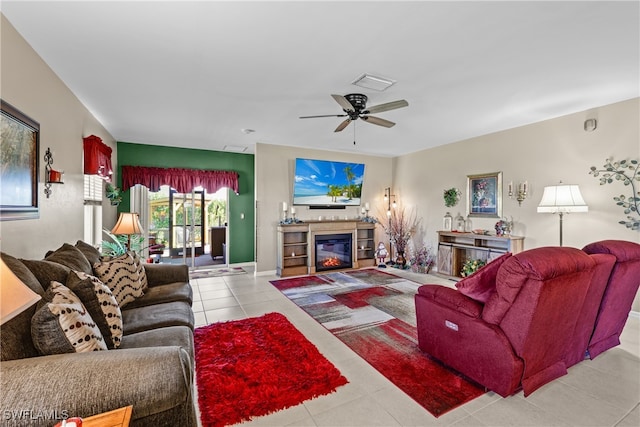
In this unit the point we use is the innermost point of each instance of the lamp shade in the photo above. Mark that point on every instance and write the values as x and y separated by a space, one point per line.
128 223
562 198
15 296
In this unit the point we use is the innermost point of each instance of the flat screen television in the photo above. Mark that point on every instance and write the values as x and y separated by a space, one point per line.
324 183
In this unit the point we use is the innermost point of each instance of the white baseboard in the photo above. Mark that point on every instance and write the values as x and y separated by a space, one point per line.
635 314
265 273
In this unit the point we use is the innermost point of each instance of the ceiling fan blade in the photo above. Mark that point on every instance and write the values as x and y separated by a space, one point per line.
344 102
386 107
343 125
377 121
326 115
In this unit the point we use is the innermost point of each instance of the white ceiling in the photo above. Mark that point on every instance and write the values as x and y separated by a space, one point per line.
194 74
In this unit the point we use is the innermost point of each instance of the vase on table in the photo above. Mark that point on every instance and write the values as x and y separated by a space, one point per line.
400 259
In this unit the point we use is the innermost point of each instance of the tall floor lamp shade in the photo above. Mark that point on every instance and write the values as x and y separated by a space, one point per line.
562 199
128 224
15 296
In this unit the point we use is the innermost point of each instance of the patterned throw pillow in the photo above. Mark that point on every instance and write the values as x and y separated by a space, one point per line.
62 324
141 271
100 303
121 276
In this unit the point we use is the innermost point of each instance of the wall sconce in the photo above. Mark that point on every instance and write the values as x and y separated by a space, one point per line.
387 198
521 193
51 176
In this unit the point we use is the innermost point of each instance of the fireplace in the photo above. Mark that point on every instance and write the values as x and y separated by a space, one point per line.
333 251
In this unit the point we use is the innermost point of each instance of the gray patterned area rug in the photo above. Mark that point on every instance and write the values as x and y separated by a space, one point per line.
216 272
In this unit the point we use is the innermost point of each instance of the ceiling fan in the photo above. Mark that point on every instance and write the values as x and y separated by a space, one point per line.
355 107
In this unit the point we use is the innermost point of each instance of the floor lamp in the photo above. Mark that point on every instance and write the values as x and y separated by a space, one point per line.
562 199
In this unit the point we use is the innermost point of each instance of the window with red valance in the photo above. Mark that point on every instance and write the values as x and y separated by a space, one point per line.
183 180
97 157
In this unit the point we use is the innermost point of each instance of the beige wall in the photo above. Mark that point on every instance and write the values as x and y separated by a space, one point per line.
543 154
31 86
274 170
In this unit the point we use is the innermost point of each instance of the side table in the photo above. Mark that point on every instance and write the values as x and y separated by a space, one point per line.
116 418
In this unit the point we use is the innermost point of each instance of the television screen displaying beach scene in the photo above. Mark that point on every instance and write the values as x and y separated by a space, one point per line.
327 183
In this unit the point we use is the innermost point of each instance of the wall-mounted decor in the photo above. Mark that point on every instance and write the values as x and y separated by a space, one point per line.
19 152
484 195
451 197
626 172
51 176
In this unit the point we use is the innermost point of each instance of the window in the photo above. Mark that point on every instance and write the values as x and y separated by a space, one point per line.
93 190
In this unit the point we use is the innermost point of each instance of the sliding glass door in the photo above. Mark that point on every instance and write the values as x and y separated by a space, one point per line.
186 223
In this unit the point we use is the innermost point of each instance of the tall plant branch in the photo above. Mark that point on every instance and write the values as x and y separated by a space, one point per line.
628 172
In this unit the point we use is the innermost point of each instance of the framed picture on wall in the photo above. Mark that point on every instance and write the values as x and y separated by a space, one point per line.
484 195
19 153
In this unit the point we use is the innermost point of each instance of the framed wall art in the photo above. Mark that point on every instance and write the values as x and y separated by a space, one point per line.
484 195
19 153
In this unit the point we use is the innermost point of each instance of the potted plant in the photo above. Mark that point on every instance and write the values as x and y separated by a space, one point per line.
471 266
400 226
422 260
113 194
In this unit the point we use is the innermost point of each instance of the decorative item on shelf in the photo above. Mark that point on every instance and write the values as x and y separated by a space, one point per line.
422 259
459 223
562 199
627 172
468 225
285 208
471 266
452 197
521 194
447 223
503 227
51 176
128 224
113 194
365 214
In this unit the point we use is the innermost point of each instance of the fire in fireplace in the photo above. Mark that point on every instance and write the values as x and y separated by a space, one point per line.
333 251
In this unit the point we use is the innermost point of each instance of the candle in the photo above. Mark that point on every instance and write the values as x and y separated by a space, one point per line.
284 206
366 206
293 210
362 211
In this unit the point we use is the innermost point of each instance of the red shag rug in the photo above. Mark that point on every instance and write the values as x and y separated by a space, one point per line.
373 312
256 366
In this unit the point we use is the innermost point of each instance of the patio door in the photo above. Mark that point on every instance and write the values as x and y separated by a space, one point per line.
186 223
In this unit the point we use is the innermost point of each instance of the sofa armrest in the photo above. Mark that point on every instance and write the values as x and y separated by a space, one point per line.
452 299
43 390
161 274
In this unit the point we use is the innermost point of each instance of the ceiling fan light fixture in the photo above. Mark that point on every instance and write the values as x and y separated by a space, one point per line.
369 81
235 148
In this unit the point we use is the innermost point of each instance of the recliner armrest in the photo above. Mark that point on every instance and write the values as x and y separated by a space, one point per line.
161 274
452 299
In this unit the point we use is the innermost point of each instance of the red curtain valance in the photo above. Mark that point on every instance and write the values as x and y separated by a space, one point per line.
183 180
97 157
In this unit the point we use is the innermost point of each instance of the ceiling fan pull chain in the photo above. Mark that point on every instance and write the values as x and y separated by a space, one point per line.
354 133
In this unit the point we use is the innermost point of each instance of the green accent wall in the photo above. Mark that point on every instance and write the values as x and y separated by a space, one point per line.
241 231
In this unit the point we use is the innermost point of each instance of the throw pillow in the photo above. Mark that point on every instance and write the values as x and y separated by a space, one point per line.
100 303
62 324
121 275
482 284
47 271
92 254
141 271
70 256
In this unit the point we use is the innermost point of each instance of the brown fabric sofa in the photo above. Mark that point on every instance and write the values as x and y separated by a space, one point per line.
152 369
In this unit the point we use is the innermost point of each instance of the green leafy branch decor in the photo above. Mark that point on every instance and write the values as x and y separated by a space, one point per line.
118 244
628 172
113 194
451 197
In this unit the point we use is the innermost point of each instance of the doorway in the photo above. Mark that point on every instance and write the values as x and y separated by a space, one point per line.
186 222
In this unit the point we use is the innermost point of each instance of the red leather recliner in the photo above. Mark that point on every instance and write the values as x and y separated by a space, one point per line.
526 329
618 295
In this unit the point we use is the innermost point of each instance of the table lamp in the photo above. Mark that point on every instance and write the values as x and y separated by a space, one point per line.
128 224
15 296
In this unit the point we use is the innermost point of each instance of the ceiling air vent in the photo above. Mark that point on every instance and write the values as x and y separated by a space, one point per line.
369 81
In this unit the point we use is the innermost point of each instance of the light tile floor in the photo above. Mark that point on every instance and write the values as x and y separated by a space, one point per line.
600 392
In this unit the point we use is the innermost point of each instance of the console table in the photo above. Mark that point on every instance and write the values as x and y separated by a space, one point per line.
455 248
296 249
